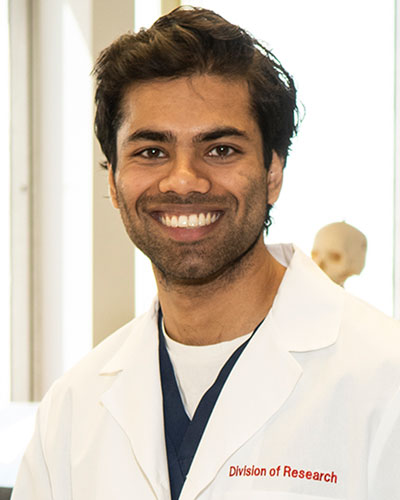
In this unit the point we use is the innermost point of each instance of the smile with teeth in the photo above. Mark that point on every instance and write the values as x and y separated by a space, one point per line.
191 221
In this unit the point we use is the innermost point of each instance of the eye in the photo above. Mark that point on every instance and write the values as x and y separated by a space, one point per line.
221 151
151 153
335 256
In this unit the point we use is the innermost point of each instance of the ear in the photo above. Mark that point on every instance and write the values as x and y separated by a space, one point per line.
275 177
111 186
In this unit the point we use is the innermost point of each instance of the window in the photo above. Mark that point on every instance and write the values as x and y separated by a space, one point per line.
5 298
342 57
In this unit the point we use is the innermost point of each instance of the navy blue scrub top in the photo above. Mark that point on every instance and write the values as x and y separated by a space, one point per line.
182 435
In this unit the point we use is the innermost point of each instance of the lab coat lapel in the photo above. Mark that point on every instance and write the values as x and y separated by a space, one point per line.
305 316
259 384
135 400
308 307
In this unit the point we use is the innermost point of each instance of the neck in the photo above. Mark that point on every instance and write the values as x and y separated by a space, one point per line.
225 308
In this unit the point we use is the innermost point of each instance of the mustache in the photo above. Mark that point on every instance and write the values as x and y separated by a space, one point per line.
190 199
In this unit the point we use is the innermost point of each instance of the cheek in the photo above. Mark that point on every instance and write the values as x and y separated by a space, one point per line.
257 187
251 195
250 177
131 185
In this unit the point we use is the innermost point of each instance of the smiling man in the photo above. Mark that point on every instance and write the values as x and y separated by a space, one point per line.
252 375
193 191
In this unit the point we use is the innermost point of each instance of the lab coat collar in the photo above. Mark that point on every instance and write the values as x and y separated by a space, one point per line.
135 400
144 324
308 307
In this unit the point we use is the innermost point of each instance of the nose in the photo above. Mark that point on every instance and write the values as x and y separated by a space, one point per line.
184 177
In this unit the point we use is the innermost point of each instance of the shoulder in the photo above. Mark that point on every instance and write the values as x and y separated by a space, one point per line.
90 377
370 333
368 324
74 404
314 313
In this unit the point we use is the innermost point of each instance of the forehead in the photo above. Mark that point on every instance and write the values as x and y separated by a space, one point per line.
340 234
188 104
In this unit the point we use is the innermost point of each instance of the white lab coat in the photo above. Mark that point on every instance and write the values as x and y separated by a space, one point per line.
315 391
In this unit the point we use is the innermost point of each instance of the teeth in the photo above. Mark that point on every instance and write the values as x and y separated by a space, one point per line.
182 221
191 221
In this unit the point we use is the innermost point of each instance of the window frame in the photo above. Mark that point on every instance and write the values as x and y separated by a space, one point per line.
21 199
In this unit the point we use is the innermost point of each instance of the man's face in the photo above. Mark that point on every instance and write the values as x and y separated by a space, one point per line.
190 181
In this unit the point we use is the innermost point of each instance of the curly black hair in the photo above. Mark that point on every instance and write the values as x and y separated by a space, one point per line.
191 41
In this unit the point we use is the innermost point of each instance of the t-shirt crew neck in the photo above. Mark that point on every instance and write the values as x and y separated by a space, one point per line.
197 367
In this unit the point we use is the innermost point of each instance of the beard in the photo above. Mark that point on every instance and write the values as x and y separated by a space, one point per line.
201 261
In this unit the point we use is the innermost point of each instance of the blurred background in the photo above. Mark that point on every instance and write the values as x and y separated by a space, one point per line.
69 274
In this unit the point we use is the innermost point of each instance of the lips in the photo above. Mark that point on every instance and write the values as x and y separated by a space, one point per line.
189 221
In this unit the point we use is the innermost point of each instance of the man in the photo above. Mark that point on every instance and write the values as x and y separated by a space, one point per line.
253 375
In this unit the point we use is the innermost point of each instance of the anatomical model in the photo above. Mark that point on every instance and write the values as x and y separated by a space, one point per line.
339 250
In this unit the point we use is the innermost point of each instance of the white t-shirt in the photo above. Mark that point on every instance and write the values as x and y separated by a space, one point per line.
197 367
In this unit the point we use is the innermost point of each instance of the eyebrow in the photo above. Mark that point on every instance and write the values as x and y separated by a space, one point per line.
168 137
219 132
149 135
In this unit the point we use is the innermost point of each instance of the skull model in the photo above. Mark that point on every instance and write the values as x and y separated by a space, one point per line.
339 250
